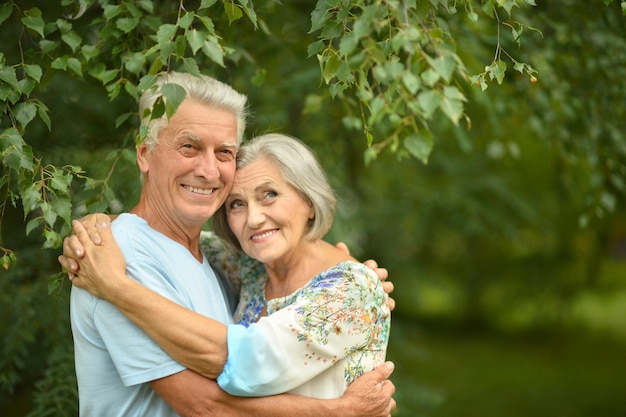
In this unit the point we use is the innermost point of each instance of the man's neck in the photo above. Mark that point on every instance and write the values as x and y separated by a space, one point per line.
186 235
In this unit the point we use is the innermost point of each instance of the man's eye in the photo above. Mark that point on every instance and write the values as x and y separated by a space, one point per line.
187 146
225 155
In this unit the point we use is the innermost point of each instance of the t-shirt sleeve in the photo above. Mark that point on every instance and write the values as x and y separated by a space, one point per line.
332 317
136 356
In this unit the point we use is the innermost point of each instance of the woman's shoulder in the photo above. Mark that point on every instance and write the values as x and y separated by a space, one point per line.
346 273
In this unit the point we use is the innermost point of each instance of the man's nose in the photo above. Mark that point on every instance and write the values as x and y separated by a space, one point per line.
207 166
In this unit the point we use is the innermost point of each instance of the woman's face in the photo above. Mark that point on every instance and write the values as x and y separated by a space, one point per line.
266 214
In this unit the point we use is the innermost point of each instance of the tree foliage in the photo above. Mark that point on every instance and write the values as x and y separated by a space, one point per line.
394 65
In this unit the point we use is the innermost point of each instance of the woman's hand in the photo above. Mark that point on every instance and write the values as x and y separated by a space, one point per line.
101 269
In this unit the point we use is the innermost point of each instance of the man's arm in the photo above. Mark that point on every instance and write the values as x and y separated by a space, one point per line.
192 395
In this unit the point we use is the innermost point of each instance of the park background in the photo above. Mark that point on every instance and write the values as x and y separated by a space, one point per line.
501 220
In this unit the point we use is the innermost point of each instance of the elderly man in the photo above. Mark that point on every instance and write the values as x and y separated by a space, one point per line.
187 165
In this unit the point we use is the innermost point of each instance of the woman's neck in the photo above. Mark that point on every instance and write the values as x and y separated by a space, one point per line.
310 259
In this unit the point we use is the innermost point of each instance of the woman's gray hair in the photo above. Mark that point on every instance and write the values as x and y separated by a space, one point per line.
204 89
299 168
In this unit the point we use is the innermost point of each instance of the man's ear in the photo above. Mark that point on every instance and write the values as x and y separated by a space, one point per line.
143 158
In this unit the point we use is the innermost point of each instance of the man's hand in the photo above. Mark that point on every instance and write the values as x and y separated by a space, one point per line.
370 395
73 250
381 272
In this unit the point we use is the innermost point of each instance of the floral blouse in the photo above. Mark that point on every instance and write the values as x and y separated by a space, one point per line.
313 342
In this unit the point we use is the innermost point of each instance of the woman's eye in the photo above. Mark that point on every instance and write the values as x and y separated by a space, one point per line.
271 194
235 204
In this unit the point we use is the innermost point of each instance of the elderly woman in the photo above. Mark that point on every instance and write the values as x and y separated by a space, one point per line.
310 318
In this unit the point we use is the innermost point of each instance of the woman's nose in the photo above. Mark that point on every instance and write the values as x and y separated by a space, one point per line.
256 215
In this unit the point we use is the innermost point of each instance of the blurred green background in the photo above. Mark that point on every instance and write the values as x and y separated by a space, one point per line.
507 250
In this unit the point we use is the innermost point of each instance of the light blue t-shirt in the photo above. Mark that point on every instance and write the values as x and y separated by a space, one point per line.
114 358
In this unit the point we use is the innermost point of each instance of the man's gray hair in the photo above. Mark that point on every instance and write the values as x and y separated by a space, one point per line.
204 89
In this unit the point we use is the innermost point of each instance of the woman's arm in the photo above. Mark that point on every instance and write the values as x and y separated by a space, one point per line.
194 340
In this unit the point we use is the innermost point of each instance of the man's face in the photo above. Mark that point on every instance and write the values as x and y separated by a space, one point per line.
190 172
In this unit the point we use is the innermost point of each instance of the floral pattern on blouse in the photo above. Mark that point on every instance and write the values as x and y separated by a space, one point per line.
342 312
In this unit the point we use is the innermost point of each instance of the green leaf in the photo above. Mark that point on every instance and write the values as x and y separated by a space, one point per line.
186 20
11 138
453 93
62 206
314 48
175 94
33 71
59 63
206 3
331 67
42 112
53 239
5 11
72 40
127 24
16 154
146 82
444 66
191 66
376 107
55 282
249 11
430 77
165 33
370 154
394 68
195 39
63 25
507 5
420 145
75 65
25 113
30 197
429 100
347 44
100 72
134 62
411 82
49 215
146 5
319 16
32 20
122 118
48 46
453 109
33 224
7 74
214 51
497 71
111 11
233 11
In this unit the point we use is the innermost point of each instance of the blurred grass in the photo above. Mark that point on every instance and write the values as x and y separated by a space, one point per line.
443 373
